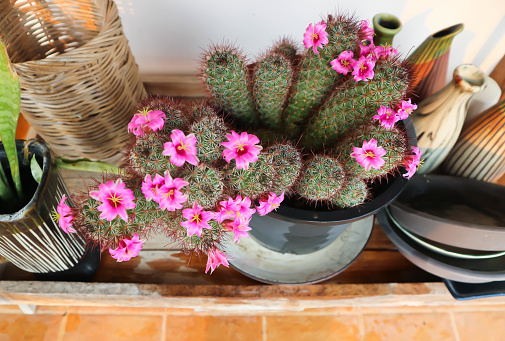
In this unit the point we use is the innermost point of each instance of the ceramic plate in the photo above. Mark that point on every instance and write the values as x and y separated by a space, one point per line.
260 263
455 269
454 211
446 249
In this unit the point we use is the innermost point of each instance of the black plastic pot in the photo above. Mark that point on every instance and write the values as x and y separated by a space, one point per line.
29 238
298 228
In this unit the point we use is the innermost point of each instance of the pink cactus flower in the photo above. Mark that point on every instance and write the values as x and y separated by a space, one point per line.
127 249
369 156
315 36
244 207
151 188
239 227
215 259
227 210
412 162
196 220
243 148
146 120
120 253
406 109
170 196
386 51
387 116
115 198
344 63
271 203
181 149
63 216
366 31
363 69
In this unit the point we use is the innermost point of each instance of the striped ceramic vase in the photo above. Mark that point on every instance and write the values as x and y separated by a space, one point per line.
480 150
29 238
430 61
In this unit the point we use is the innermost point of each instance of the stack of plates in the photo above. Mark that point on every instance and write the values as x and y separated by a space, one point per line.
451 227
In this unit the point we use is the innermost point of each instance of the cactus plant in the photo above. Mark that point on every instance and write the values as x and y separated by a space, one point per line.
341 92
196 185
320 126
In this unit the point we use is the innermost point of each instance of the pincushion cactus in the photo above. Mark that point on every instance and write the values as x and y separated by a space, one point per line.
341 107
196 185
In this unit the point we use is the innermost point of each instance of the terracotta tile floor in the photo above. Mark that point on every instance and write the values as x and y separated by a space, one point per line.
371 324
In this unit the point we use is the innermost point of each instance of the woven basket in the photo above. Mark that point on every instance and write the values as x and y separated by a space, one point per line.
79 80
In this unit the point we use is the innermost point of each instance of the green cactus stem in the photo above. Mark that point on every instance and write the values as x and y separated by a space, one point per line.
255 181
205 186
393 141
353 193
226 76
286 47
315 77
210 131
272 80
144 155
355 103
288 164
321 179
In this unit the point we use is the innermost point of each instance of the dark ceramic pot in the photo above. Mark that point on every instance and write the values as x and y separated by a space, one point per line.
29 238
298 228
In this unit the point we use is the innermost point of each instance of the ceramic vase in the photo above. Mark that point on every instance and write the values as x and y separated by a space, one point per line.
483 100
480 151
29 238
429 62
439 119
385 26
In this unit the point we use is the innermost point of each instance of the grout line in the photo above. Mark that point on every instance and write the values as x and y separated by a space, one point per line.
164 326
264 328
361 318
63 325
454 327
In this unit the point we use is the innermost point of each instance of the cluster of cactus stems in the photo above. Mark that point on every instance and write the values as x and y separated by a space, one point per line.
328 100
196 200
318 125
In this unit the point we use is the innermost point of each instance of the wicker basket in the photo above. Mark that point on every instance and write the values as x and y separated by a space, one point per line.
79 80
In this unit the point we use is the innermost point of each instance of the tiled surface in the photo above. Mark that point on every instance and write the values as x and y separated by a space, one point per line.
454 323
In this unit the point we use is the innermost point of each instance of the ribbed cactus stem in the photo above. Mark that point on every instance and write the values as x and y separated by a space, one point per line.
205 186
272 79
393 141
316 78
321 179
353 193
286 47
226 76
355 103
145 156
255 181
210 131
288 164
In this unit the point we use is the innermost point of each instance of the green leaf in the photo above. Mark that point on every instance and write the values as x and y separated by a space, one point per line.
36 170
86 165
10 101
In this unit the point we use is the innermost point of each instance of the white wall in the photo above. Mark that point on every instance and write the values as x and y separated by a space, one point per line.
167 36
